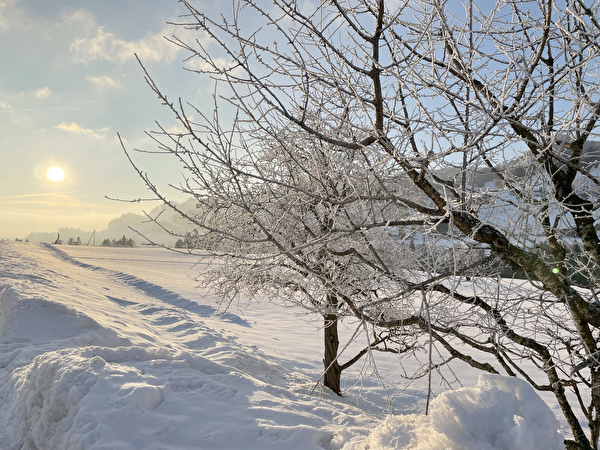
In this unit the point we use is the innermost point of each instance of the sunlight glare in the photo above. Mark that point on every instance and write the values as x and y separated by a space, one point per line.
55 174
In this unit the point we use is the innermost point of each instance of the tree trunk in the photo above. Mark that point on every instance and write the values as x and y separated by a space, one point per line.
572 445
333 370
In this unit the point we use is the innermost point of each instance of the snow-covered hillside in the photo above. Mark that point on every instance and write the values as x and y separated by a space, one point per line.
110 348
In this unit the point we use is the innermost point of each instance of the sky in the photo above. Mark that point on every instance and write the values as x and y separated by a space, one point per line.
69 83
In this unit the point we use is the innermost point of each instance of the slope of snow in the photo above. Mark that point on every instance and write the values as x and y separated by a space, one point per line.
114 349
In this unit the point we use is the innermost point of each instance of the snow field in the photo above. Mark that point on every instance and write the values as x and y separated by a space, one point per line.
99 351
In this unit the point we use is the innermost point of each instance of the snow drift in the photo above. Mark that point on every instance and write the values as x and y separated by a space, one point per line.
499 413
96 358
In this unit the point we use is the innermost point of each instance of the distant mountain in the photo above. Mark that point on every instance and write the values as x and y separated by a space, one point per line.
135 226
486 178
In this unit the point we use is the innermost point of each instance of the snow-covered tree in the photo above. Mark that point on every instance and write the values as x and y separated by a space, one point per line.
395 161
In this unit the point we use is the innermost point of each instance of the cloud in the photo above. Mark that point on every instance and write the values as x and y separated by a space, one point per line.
79 17
103 82
38 195
201 65
8 11
5 106
43 92
72 127
107 46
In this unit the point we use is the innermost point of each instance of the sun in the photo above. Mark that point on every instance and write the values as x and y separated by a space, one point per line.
55 174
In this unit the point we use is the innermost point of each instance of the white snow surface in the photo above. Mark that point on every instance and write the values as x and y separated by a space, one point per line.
116 349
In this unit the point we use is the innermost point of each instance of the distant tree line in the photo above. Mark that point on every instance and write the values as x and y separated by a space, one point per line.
123 242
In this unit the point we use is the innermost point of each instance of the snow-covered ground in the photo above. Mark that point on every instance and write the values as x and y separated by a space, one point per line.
117 349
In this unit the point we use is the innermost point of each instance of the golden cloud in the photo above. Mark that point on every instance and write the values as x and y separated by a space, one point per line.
72 127
103 82
43 92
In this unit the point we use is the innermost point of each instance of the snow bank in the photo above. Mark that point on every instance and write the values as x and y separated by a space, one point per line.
498 413
95 359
